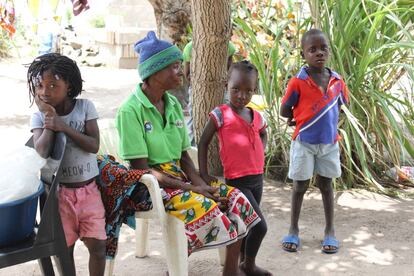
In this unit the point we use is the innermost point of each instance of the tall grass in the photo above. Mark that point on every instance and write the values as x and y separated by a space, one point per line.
372 47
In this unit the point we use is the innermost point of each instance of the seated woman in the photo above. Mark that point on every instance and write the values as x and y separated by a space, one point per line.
153 136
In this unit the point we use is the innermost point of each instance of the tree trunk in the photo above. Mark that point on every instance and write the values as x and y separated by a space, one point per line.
172 17
211 33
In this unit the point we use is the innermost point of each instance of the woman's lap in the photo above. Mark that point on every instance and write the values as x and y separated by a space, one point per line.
206 225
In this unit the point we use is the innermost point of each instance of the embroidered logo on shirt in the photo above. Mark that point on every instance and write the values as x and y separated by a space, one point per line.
147 126
179 123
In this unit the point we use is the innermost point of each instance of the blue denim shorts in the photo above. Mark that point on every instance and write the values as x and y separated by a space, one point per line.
307 160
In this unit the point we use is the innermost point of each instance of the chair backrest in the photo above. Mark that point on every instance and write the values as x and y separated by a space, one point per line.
109 139
193 155
50 219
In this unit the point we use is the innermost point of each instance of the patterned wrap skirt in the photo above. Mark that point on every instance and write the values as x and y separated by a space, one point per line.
206 226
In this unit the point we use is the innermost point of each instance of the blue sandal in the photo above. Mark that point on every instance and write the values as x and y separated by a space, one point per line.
291 239
332 242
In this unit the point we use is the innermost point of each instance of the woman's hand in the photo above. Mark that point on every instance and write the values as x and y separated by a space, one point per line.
222 202
205 190
208 178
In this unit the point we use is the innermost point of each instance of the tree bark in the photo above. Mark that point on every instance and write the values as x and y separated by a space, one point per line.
211 33
172 17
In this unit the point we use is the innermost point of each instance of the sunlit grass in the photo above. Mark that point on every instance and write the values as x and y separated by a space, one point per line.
372 48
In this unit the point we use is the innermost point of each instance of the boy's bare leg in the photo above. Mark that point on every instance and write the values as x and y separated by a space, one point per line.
96 250
231 264
325 186
299 189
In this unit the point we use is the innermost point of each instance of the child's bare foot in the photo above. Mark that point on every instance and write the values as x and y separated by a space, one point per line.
254 270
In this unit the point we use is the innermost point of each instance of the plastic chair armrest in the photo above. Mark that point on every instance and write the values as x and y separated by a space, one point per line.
155 192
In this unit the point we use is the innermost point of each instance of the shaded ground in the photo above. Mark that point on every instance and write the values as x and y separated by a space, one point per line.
375 231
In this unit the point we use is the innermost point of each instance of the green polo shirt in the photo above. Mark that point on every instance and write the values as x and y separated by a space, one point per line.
189 47
142 133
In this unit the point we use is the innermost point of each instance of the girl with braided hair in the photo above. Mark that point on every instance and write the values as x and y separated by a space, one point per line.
242 136
54 83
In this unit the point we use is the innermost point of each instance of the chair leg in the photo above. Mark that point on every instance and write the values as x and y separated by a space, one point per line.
222 255
65 265
46 266
109 267
175 243
141 238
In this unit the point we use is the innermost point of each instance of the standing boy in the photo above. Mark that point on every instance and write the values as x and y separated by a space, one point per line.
313 100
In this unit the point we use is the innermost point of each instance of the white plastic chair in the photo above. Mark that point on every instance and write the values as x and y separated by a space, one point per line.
173 232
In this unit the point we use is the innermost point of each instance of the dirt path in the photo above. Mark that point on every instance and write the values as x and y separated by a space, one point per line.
376 232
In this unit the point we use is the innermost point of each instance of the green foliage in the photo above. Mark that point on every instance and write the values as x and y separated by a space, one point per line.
10 46
98 21
5 44
267 33
371 47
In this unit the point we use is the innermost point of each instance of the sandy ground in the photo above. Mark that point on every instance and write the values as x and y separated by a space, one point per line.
375 231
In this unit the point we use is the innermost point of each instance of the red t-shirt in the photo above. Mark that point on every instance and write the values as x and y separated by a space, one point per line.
241 149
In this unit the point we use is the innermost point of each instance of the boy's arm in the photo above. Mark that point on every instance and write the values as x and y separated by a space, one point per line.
289 100
205 140
287 112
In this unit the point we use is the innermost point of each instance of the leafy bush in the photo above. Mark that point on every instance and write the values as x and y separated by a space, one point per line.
98 22
268 33
371 47
5 44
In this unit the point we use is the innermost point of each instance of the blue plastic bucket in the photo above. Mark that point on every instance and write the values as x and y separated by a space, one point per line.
18 218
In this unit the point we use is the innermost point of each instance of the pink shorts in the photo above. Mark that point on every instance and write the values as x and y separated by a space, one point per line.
82 213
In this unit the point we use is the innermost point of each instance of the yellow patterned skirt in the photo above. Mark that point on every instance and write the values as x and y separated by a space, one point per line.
206 226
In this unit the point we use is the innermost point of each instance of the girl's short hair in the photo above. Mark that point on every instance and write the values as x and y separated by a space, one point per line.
59 65
243 66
